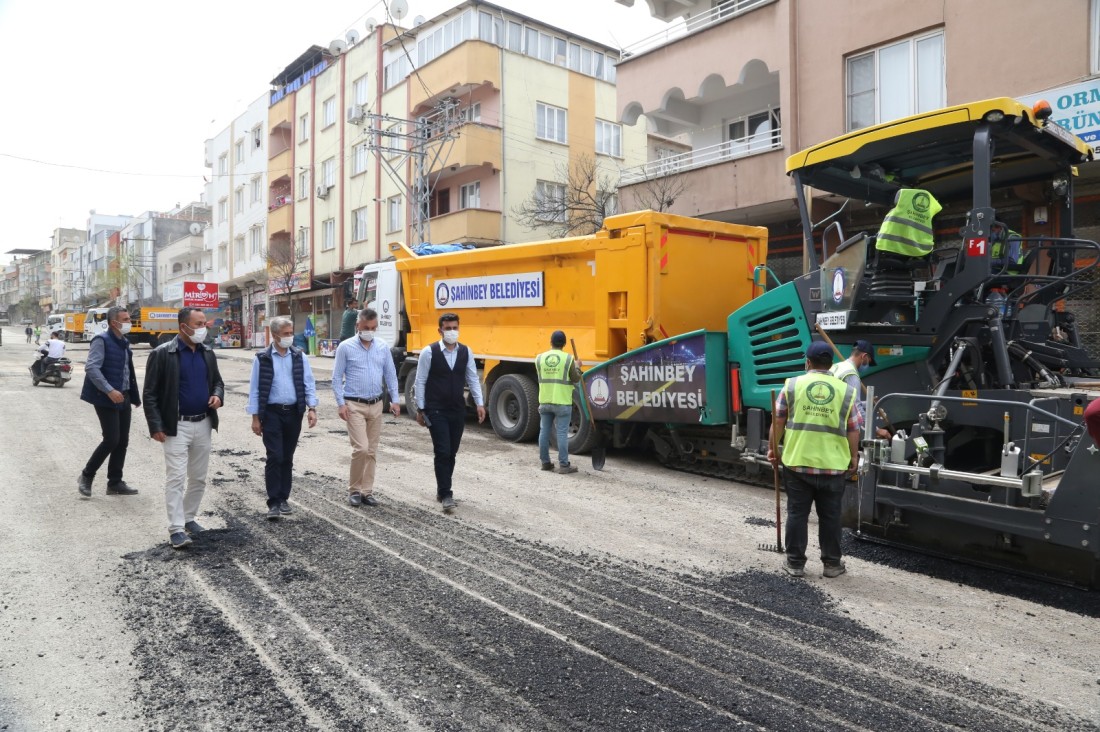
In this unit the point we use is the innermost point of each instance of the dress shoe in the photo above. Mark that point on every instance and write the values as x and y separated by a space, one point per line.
179 540
356 499
370 500
84 485
193 527
285 509
120 489
273 513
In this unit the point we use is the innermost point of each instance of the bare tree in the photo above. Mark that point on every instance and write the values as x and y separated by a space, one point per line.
573 208
284 267
658 193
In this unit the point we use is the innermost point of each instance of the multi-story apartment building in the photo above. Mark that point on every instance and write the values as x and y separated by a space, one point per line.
735 86
238 195
140 266
98 257
444 128
68 275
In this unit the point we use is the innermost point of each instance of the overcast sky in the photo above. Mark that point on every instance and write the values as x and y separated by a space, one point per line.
107 104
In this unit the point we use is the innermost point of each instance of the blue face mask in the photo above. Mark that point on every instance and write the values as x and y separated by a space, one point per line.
863 369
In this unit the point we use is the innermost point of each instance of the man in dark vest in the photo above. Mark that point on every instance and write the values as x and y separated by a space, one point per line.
443 371
281 391
110 385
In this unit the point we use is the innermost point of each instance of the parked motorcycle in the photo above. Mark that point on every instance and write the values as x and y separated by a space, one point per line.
57 373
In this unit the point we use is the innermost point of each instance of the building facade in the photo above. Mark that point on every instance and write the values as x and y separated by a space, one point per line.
68 275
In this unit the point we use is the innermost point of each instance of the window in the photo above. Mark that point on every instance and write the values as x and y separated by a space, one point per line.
256 190
440 203
328 235
223 164
546 48
469 195
610 204
303 184
255 239
551 198
896 81
238 248
609 69
758 131
257 137
328 112
359 224
550 123
515 36
532 46
238 200
361 90
223 255
359 157
472 113
328 172
574 57
393 214
223 210
586 61
609 138
303 127
238 150
303 243
559 51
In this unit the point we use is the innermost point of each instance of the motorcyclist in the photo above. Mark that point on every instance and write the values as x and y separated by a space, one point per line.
54 350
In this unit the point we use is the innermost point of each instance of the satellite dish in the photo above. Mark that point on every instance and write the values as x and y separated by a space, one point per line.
371 25
352 37
195 228
337 47
419 21
399 9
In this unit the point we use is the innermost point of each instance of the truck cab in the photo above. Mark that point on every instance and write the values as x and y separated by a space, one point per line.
55 323
95 322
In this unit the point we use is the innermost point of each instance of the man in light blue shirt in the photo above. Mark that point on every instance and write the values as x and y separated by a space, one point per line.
364 368
282 389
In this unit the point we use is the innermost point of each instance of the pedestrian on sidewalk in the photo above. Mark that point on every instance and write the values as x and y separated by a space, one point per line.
816 431
38 335
30 333
557 372
110 385
349 320
443 372
182 394
363 370
280 392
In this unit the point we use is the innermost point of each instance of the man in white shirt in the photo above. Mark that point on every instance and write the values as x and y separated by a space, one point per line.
54 349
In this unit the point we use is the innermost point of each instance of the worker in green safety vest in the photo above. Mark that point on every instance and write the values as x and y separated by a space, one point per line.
907 228
815 431
1006 243
558 372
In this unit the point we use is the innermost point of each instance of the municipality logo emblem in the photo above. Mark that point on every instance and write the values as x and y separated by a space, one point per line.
599 393
838 285
442 294
553 360
921 202
821 393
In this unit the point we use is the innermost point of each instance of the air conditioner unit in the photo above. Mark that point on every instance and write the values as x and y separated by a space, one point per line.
356 113
322 191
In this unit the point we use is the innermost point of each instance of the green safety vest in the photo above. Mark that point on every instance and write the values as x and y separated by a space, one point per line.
553 368
1001 243
907 228
843 370
816 434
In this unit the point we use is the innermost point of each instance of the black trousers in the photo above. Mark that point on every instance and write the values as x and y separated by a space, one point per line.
826 493
446 429
115 425
281 430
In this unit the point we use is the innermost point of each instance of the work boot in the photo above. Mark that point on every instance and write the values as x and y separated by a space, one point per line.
548 466
567 469
834 570
448 504
793 570
84 485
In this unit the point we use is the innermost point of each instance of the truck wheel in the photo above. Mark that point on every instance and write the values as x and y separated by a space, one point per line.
410 395
582 438
514 408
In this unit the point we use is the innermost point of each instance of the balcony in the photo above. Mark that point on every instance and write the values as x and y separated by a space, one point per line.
756 144
280 219
455 73
476 146
476 225
719 14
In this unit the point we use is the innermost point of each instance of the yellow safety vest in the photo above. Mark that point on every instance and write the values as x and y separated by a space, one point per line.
907 229
843 370
1006 241
816 435
553 368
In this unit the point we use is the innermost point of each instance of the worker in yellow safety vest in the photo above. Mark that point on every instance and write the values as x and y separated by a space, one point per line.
557 372
816 433
907 228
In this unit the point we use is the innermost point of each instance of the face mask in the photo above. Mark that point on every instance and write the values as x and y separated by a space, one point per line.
124 328
863 369
198 336
450 337
286 342
366 335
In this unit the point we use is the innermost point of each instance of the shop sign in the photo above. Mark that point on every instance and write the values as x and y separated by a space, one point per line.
200 294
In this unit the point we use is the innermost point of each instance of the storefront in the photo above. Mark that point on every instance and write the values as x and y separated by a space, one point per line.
313 317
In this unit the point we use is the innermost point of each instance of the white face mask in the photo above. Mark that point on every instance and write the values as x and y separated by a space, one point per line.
286 342
366 335
450 337
198 336
124 328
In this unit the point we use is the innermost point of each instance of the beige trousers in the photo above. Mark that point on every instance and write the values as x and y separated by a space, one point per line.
364 427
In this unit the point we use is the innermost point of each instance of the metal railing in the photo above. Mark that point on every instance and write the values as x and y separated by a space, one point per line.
718 14
743 147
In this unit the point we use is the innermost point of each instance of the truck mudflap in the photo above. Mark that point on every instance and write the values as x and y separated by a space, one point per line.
680 380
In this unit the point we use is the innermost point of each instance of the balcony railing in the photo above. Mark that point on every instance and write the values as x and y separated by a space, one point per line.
718 14
743 147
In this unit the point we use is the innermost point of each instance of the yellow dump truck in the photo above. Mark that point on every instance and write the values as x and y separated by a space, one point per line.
73 327
153 325
644 277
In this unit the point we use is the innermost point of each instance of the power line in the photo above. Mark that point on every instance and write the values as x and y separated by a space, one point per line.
97 170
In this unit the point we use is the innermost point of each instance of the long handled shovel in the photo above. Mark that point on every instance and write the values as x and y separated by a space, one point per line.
778 545
599 455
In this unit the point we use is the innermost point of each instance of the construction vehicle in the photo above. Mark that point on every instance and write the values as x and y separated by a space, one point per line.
153 325
95 322
55 323
72 327
980 361
642 277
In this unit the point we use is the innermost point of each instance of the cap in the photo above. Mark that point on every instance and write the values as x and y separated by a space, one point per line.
557 338
818 349
865 347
